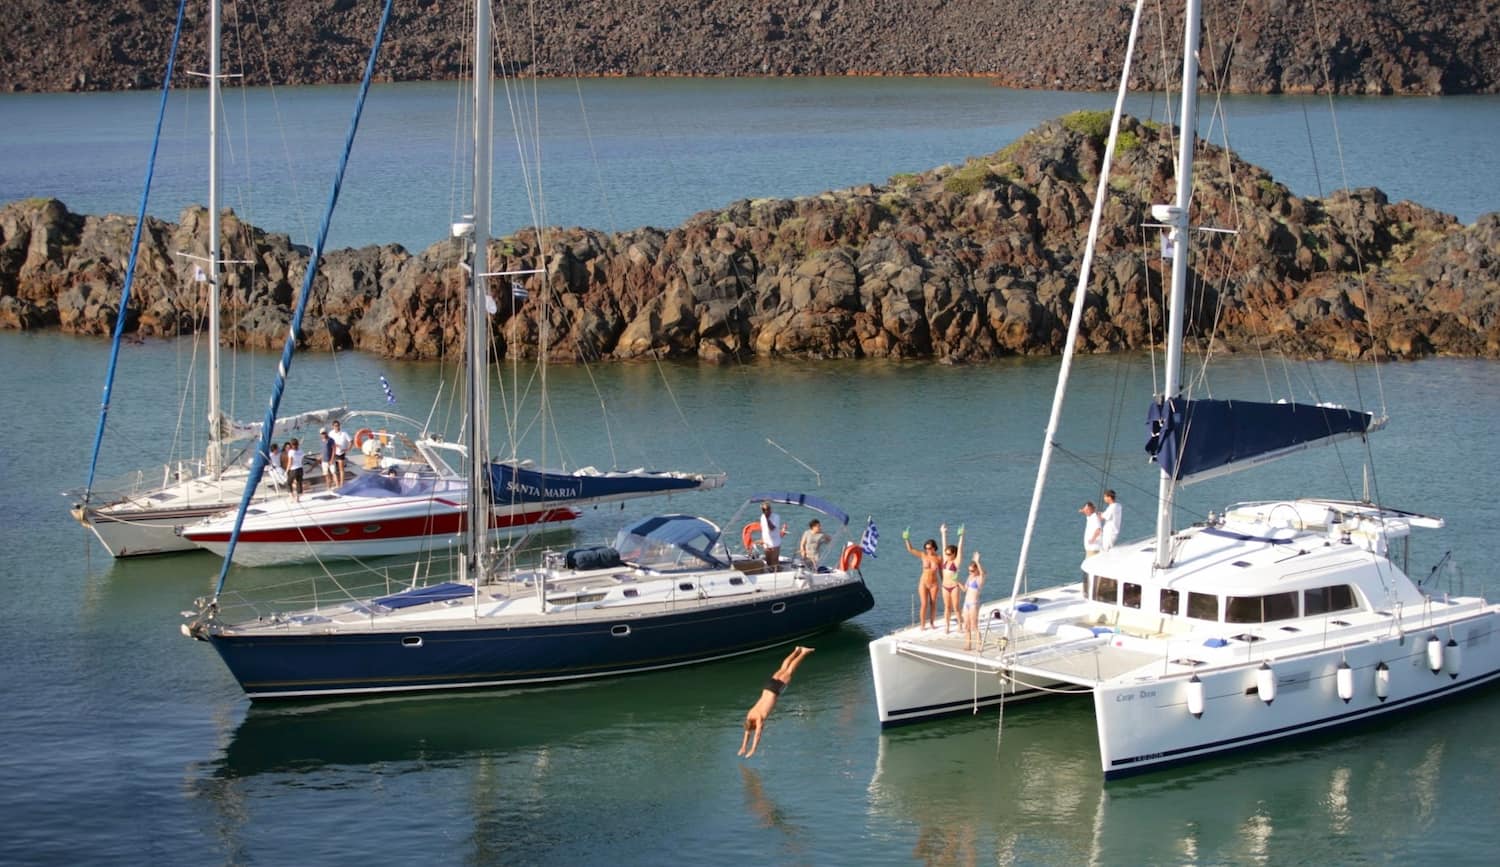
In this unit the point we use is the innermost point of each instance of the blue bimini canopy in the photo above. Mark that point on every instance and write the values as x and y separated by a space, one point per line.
670 541
808 500
1198 439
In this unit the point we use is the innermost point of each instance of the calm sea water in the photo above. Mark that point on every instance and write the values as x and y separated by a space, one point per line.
126 743
616 154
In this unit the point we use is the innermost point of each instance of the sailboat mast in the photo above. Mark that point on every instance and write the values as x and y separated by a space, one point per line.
214 458
478 325
1176 216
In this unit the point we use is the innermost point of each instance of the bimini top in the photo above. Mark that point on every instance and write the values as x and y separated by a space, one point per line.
808 500
670 542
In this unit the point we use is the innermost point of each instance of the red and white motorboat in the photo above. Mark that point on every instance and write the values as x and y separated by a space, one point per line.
420 505
399 507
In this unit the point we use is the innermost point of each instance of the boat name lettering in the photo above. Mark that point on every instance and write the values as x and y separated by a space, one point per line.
538 491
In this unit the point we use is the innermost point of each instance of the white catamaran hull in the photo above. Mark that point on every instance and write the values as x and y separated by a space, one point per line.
918 677
1146 723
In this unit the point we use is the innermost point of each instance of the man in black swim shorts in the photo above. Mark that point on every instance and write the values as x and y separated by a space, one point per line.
755 720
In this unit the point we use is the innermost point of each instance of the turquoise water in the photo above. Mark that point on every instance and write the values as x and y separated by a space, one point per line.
616 154
126 742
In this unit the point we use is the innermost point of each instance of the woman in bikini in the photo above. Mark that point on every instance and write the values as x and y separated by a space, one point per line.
927 585
952 587
972 640
755 720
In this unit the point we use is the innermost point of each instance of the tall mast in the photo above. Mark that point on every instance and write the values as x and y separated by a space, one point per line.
478 324
215 449
1176 216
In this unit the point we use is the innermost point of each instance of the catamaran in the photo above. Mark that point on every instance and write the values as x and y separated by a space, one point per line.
1266 621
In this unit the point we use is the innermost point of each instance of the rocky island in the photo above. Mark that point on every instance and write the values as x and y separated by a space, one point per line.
957 264
1250 46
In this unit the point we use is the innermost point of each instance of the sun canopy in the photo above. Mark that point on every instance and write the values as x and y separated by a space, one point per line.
1199 439
670 542
807 500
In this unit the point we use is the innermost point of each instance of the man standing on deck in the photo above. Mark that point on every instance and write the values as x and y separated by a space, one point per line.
1111 520
341 443
1093 530
771 532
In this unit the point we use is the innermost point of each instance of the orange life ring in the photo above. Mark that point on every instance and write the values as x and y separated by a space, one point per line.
361 435
853 555
747 535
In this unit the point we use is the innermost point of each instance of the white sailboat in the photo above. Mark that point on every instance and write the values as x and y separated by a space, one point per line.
1268 621
146 514
668 592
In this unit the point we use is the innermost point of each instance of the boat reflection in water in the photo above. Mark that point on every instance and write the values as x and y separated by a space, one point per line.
1039 798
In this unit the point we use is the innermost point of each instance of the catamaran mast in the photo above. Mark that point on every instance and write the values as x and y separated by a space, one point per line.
478 324
214 458
1176 216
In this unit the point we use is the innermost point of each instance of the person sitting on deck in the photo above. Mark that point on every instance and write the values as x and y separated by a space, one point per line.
755 720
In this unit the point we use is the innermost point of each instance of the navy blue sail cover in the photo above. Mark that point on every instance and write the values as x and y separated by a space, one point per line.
512 484
1194 437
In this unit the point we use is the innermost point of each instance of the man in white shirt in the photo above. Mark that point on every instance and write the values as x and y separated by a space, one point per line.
1093 530
1111 520
341 441
771 532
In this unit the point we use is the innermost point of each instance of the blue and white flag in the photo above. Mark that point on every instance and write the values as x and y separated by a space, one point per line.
390 396
871 538
517 291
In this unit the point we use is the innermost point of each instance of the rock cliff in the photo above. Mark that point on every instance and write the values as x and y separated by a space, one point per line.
1258 46
961 263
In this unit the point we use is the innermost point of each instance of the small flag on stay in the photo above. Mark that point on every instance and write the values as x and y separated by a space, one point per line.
517 291
390 396
870 540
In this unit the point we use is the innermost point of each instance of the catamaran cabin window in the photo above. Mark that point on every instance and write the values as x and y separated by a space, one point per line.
1261 609
1130 597
1324 600
1171 601
1203 606
1105 589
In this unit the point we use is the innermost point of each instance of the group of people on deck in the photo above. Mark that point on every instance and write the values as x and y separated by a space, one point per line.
1101 529
946 565
289 459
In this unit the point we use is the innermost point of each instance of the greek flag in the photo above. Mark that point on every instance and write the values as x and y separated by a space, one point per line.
517 291
390 396
871 538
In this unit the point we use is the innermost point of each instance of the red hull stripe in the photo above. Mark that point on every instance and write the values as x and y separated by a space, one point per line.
377 530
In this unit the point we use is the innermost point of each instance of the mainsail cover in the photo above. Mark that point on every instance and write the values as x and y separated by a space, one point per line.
1198 439
512 483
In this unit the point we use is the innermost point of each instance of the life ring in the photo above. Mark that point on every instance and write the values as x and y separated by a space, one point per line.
361 435
747 535
851 558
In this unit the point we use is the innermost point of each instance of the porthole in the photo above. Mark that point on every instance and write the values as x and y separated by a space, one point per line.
620 630
412 641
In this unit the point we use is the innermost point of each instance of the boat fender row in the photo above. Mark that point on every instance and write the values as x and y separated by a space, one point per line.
1444 658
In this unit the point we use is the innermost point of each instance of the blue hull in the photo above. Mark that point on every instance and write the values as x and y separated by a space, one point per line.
300 665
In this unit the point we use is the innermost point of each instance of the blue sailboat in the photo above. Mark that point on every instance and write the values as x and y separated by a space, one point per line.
668 592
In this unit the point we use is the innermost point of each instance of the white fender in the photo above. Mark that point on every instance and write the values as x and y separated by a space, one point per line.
1345 680
1434 654
1453 657
1265 683
1382 681
1195 697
